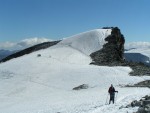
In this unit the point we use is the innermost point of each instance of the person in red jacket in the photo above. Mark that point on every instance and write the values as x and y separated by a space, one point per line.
112 91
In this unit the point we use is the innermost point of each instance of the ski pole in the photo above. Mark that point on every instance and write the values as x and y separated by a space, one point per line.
106 99
116 97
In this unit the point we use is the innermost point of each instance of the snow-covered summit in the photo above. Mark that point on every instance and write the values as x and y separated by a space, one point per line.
89 41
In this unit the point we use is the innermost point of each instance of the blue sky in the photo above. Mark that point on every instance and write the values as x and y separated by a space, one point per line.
56 19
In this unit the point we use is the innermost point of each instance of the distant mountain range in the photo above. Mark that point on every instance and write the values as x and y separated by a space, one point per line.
8 48
5 53
138 52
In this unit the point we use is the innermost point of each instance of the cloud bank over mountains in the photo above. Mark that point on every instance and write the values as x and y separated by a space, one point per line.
137 45
33 41
22 44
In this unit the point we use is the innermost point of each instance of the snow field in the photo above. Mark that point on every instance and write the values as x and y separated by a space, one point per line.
31 84
88 42
46 86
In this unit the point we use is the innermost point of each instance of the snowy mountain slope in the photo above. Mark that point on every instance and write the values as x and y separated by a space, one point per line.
31 84
88 42
138 52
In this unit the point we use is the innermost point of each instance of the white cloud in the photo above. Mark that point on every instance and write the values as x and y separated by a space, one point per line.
6 45
137 45
32 41
22 44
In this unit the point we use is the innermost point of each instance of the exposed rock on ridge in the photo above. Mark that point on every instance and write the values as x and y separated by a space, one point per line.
112 54
112 51
30 50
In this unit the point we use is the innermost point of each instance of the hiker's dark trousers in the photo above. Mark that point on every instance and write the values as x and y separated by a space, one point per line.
112 96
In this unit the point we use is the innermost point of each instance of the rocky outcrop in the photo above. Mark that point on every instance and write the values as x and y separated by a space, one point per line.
139 69
112 54
145 83
112 51
30 50
143 104
83 86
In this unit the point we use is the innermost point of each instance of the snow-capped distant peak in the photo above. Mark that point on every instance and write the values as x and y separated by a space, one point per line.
88 42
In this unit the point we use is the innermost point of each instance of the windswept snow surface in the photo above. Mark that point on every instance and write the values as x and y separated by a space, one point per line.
31 84
88 42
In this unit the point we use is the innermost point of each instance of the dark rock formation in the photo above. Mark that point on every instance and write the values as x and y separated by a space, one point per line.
38 55
83 86
30 50
139 69
143 104
112 54
112 51
5 53
145 83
